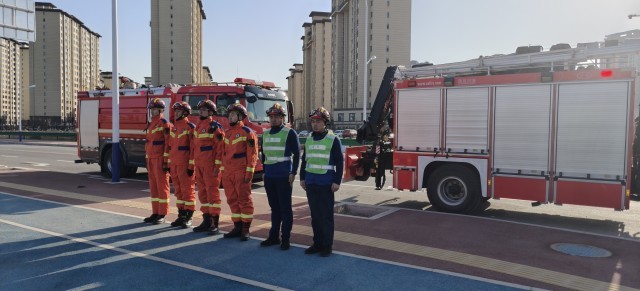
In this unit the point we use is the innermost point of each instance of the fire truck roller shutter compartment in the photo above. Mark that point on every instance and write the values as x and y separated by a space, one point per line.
418 126
521 142
89 120
467 118
590 169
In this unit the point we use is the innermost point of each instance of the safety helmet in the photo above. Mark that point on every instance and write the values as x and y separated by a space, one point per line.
156 103
320 113
239 108
207 104
276 109
184 106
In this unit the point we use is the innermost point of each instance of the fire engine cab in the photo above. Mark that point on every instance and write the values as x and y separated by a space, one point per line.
548 127
94 124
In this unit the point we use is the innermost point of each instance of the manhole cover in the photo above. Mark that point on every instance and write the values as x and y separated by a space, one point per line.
581 250
358 210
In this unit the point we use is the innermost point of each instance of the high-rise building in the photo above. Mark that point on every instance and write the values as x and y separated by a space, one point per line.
11 81
64 60
294 82
316 51
17 26
388 35
176 42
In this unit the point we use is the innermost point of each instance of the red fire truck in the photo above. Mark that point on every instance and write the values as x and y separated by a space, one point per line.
94 124
548 127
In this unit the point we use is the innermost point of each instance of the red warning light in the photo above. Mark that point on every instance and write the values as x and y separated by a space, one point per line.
606 73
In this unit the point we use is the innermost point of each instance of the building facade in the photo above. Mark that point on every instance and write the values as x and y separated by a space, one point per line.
388 38
11 82
16 20
294 85
176 42
316 53
63 60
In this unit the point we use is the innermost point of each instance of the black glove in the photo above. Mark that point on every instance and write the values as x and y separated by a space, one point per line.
189 172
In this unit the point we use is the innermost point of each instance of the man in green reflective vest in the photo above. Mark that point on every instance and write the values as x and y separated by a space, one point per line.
281 156
321 175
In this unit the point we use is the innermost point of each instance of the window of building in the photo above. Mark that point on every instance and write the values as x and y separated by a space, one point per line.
352 117
340 116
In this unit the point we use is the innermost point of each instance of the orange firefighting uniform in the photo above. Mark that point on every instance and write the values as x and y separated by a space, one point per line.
240 157
181 160
157 156
208 147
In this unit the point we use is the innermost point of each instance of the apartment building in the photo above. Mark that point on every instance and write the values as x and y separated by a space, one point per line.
64 59
388 35
11 80
176 42
316 53
294 85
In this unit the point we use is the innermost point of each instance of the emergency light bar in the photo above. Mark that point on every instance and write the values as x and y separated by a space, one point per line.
244 81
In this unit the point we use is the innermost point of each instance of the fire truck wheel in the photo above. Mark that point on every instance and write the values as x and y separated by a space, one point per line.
105 167
454 188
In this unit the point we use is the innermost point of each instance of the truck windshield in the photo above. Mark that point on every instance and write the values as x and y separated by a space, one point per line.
259 100
257 110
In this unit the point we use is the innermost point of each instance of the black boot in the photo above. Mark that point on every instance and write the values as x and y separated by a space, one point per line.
180 219
205 225
285 244
188 214
151 218
159 219
236 231
270 241
214 226
245 231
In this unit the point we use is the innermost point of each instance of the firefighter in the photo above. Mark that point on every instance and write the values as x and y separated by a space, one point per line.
281 156
240 157
382 146
320 176
208 147
181 163
157 155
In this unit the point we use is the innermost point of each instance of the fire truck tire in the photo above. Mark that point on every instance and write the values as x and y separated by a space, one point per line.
454 188
105 167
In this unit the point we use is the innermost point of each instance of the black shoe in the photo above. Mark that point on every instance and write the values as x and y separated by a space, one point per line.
312 250
285 244
378 188
187 223
236 231
213 230
151 218
325 252
205 225
159 219
271 241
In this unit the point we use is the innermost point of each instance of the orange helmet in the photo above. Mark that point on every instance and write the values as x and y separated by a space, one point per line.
239 108
207 104
320 113
184 106
156 103
276 109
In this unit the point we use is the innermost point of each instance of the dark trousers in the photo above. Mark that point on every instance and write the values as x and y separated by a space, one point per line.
321 200
380 177
279 194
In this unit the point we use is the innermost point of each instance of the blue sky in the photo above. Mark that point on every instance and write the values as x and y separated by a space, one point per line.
260 39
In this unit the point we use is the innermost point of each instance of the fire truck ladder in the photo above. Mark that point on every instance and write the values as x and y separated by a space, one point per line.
624 53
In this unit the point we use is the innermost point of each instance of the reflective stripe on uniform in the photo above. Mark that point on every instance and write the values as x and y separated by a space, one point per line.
180 202
273 148
246 216
189 203
215 205
324 167
235 215
237 140
279 159
250 169
157 129
322 156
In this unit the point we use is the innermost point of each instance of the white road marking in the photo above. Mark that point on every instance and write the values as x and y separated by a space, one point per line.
36 164
146 256
40 152
65 161
5 156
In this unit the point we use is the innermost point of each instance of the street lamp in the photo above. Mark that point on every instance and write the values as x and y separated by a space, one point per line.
366 65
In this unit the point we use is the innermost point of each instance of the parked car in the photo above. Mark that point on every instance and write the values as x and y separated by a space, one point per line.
349 133
303 133
338 133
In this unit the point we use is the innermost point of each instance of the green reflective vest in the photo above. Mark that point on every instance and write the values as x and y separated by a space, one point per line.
273 146
317 154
